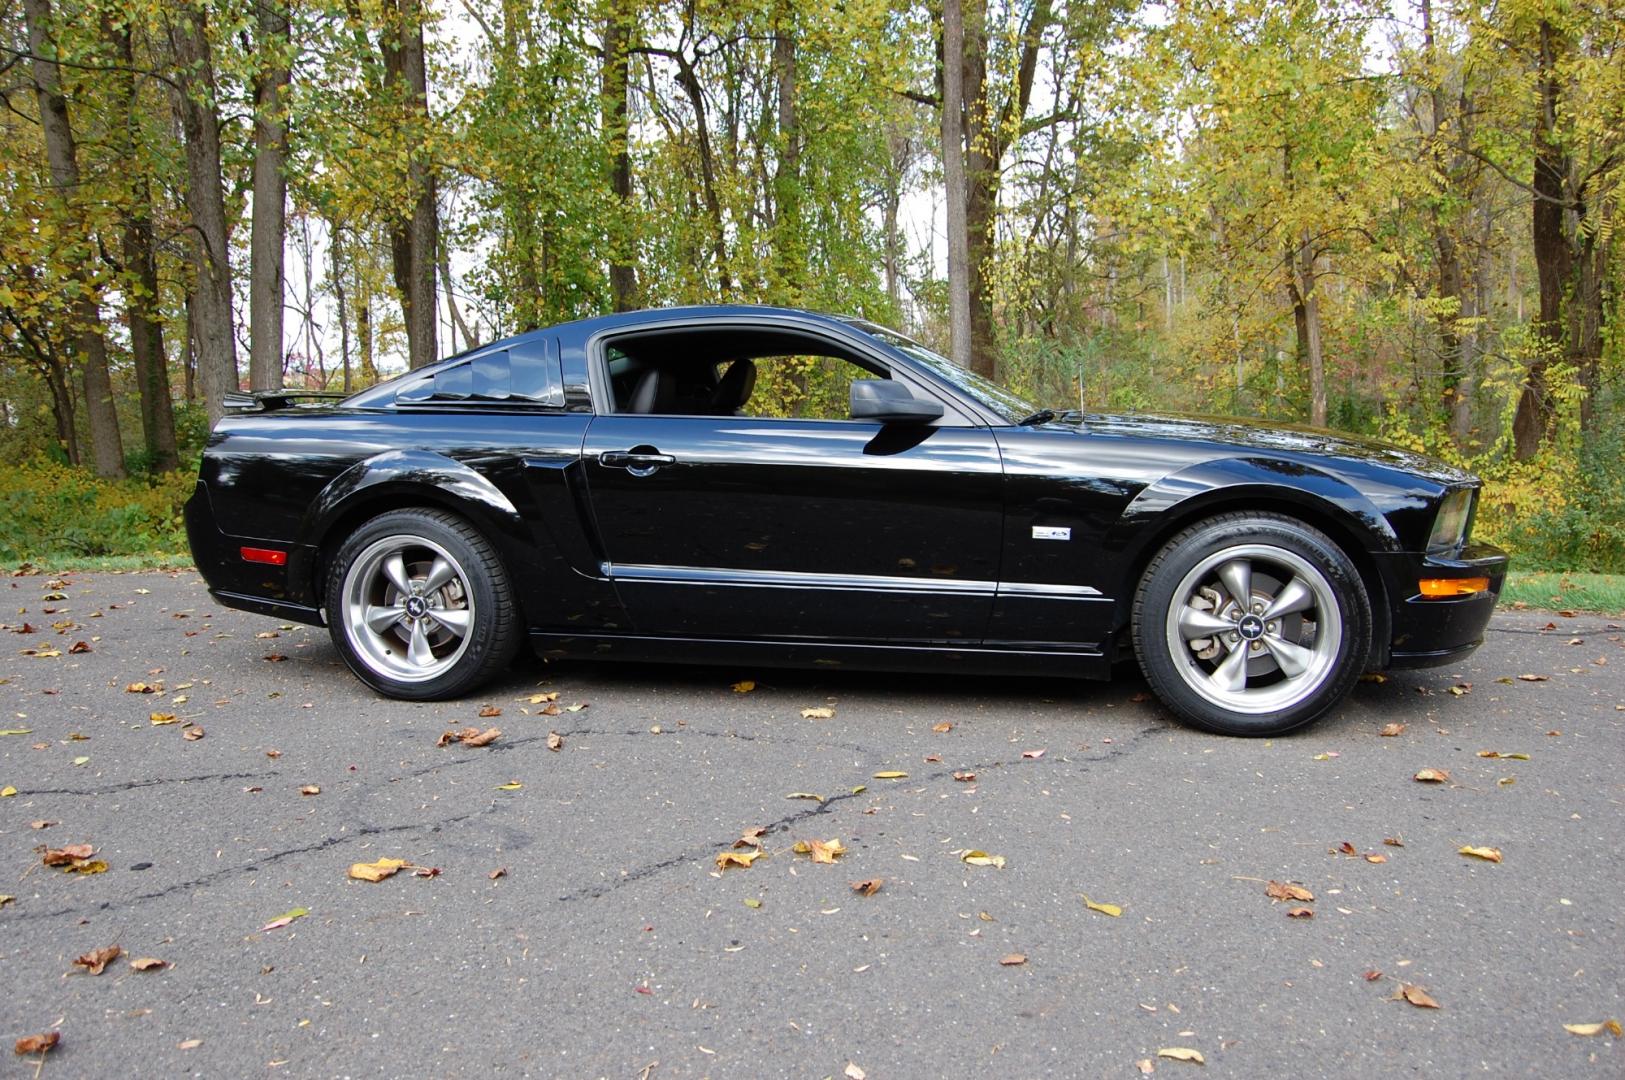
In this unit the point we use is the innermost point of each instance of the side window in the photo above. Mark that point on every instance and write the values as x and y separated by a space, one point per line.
802 387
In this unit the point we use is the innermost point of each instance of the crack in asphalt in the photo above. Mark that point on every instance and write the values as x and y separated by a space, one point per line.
250 867
783 824
133 785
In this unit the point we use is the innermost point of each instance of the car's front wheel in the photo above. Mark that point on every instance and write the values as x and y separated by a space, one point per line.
1251 624
420 607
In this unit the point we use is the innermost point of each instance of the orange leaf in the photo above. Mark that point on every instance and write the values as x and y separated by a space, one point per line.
1276 890
96 962
1013 959
869 886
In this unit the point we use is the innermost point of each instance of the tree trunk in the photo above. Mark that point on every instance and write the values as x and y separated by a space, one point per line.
213 322
789 239
953 167
414 241
690 82
141 272
1301 286
336 254
469 340
1553 258
363 331
90 342
617 76
269 226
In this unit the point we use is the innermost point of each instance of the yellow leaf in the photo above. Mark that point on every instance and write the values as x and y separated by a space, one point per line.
376 871
1105 909
81 761
726 859
5 899
744 686
94 866
511 785
159 718
1433 776
982 858
804 795
1416 996
1611 1026
7 792
820 713
752 902
1488 854
860 789
1182 1053
892 775
822 851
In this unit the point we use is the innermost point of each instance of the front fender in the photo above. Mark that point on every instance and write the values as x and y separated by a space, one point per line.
1243 483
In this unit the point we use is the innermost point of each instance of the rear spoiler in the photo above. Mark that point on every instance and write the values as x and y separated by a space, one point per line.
271 400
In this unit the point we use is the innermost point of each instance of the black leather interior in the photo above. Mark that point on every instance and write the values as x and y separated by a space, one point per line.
653 393
735 388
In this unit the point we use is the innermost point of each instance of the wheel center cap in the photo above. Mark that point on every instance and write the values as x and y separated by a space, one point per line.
1251 627
417 607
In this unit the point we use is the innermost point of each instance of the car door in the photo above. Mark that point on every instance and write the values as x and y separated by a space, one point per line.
791 528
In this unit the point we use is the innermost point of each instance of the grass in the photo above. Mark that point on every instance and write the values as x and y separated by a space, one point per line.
1570 591
1560 591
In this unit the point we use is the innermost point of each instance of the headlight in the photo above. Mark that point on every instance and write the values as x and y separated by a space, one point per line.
1450 527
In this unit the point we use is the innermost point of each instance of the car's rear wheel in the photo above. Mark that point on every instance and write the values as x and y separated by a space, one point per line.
1251 624
420 607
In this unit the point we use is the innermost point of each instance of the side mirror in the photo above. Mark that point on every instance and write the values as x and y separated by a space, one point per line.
890 403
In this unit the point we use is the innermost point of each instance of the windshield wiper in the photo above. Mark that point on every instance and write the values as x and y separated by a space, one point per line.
1042 416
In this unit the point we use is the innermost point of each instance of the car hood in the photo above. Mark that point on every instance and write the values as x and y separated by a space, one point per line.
1276 438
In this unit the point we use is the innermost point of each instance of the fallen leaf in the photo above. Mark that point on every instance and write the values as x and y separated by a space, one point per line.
484 738
1432 776
1182 1053
149 963
751 837
1503 757
96 962
18 731
1534 678
91 866
1146 1066
1488 854
982 858
189 1044
1032 755
743 859
1375 857
942 728
555 741
1610 1026
144 688
310 789
537 699
192 734
490 710
1105 909
852 1072
820 713
79 647
964 777
576 708
1416 996
376 871
1277 890
67 856
38 1044
158 719
273 754
1014 959
501 871
859 790
1393 841
891 774
425 871
822 851
274 658
1390 730
1372 975
81 760
933 759
804 795
1300 913
7 792
511 785
744 686
1347 848
868 886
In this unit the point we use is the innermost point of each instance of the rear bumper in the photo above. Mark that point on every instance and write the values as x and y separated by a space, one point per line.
237 583
1429 631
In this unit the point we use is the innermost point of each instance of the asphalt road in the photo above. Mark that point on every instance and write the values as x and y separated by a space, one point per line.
613 947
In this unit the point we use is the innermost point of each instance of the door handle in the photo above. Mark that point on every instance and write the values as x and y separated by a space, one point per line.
637 462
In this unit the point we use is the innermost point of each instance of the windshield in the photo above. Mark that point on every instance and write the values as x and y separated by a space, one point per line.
1010 407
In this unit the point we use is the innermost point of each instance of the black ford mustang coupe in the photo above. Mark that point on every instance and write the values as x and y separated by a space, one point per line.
780 487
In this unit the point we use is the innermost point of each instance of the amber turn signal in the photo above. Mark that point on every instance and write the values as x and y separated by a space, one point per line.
1457 586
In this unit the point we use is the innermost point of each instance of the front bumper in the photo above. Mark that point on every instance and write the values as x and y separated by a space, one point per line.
1433 630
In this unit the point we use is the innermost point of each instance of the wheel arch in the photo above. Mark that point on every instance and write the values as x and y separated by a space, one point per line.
403 479
1328 505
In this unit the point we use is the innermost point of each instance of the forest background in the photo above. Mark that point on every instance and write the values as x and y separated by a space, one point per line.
1394 218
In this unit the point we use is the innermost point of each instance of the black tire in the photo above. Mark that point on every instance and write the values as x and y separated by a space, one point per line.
1188 628
455 625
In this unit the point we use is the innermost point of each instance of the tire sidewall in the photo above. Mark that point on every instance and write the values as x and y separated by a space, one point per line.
487 594
1155 597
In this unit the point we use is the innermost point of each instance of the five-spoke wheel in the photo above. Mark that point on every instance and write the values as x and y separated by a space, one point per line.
1251 624
419 605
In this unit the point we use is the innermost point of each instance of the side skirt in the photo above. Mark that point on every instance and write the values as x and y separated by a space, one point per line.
1070 663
